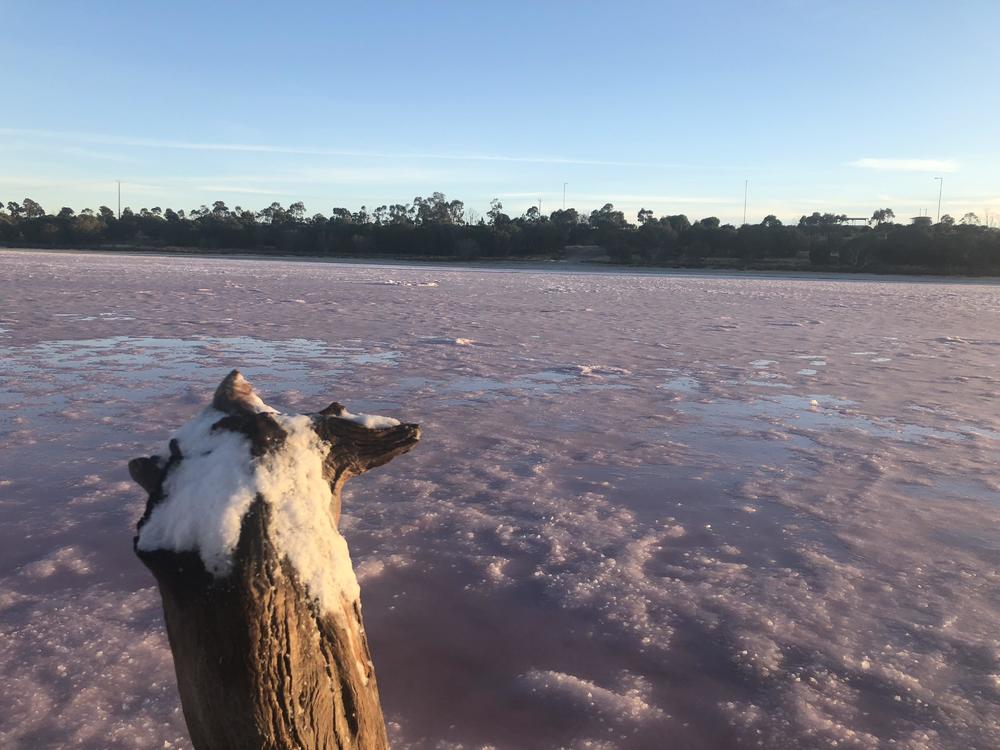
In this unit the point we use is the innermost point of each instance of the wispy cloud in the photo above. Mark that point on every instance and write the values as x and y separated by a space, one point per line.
907 165
624 198
157 143
290 182
30 182
680 199
60 150
242 190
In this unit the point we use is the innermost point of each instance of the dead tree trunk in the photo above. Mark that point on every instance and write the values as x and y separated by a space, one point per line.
265 655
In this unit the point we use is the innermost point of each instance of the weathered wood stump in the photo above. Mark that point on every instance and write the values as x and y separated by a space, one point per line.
260 600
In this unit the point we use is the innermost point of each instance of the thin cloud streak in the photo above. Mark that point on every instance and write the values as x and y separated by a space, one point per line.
27 182
619 198
906 165
156 143
84 153
242 190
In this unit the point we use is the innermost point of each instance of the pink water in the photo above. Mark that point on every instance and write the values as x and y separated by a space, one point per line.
648 511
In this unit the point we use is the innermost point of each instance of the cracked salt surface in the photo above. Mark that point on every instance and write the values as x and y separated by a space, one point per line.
616 531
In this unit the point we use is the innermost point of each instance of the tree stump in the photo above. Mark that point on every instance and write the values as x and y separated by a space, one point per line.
259 597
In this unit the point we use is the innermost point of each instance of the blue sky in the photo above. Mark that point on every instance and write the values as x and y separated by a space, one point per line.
828 106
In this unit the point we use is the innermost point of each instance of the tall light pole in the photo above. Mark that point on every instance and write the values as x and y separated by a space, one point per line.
564 195
746 196
940 190
539 208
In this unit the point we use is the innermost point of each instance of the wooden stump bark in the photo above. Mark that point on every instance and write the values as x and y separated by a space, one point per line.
260 661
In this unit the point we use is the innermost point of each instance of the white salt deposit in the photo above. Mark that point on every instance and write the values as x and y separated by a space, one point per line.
448 340
626 706
396 282
371 421
291 482
206 494
66 559
210 490
591 371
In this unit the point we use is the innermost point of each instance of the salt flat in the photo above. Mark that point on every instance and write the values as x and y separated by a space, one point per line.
647 510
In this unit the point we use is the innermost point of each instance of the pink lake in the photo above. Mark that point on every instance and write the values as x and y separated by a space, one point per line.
647 511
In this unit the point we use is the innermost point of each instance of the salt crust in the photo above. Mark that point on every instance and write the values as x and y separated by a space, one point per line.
629 704
208 493
371 421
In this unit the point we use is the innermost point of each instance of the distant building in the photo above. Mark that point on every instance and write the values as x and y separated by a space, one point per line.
921 221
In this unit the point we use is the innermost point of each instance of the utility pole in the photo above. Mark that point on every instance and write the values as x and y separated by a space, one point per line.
746 196
119 199
539 208
940 190
564 195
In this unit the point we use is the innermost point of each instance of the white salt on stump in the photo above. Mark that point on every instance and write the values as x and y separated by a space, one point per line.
261 603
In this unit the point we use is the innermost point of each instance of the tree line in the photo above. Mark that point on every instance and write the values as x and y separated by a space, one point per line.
435 227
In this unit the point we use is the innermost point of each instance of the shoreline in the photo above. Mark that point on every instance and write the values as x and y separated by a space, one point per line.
533 266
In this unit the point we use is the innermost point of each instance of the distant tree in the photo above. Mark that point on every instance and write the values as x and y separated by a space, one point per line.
656 240
882 216
678 222
87 227
817 219
435 225
456 212
273 214
401 214
437 210
607 217
342 216
31 210
297 211
496 215
565 217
